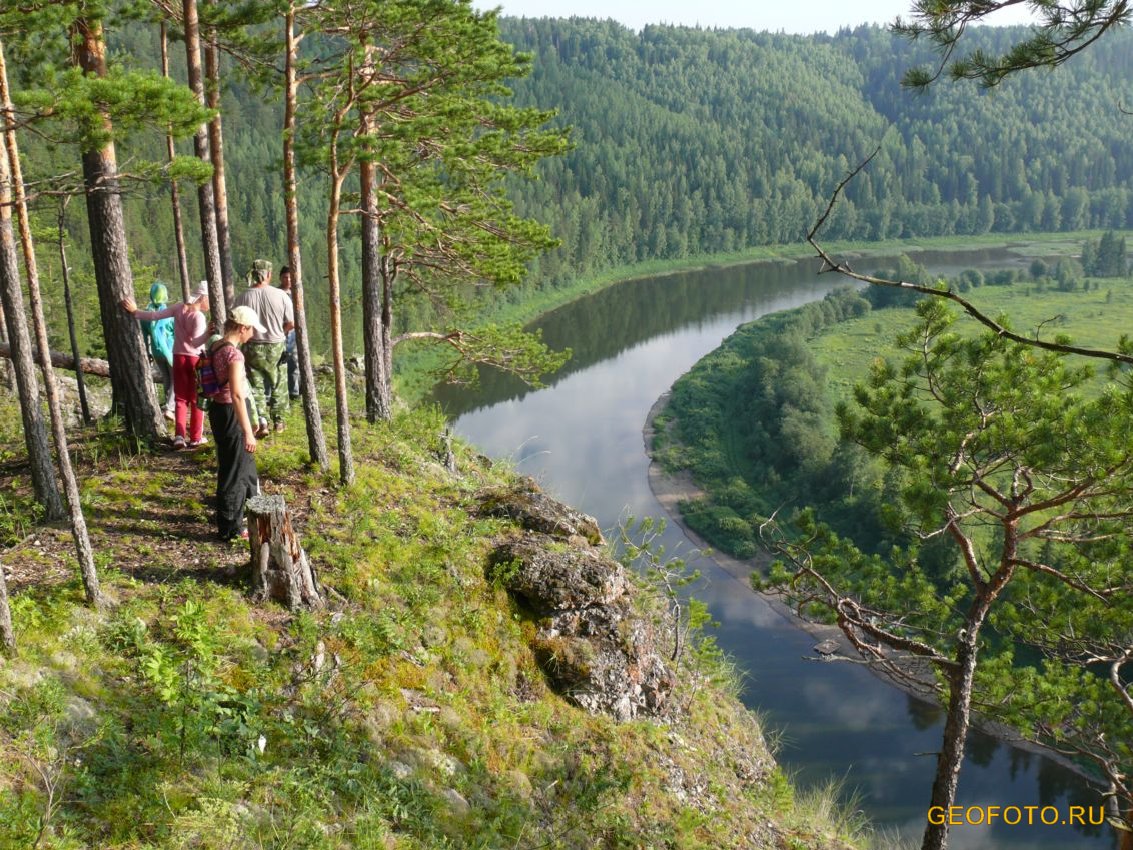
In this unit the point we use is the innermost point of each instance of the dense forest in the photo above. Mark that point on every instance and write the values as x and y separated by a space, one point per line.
700 141
690 142
974 487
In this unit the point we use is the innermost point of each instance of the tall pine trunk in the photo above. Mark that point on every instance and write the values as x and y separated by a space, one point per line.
219 298
69 305
175 191
134 395
316 440
342 405
11 153
961 682
379 398
216 152
27 387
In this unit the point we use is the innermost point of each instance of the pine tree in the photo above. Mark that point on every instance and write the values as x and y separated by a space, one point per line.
84 553
1062 30
425 123
220 296
93 105
316 441
27 387
133 390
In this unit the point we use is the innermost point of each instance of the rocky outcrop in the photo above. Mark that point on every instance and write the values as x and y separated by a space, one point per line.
98 400
593 642
534 510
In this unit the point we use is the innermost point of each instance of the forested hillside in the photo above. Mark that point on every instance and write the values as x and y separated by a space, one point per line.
691 142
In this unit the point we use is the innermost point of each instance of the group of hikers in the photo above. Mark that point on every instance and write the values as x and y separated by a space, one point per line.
254 377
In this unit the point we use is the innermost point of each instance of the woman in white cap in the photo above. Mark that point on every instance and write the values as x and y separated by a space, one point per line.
190 332
230 417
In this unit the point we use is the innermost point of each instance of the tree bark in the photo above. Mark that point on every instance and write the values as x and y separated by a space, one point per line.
389 277
83 551
280 569
951 756
86 365
216 152
69 304
134 395
219 299
316 440
27 387
7 633
7 372
379 398
175 191
342 403
961 682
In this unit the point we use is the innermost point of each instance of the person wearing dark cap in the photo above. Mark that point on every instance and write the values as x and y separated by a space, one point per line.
277 316
230 417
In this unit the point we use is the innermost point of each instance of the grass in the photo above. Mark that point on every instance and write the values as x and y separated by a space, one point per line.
410 714
1094 319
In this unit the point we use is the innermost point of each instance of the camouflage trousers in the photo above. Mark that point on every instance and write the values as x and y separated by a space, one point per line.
267 380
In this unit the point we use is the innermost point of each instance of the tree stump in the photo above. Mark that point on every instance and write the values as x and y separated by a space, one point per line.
280 569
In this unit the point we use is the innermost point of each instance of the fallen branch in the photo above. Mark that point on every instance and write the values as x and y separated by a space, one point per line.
87 365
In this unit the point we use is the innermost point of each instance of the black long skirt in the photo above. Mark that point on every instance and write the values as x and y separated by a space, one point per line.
236 477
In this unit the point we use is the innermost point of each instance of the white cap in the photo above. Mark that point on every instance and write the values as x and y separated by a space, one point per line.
202 291
246 316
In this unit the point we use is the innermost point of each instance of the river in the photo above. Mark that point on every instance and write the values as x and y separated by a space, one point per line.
581 438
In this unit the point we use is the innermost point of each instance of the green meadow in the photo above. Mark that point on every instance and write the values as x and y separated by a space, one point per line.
1095 318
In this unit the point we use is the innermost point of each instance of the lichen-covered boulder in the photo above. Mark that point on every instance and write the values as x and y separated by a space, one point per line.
593 642
607 660
550 576
534 510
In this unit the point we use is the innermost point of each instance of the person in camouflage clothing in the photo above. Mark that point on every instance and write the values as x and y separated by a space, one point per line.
262 353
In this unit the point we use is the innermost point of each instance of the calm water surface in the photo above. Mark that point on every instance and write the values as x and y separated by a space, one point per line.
581 438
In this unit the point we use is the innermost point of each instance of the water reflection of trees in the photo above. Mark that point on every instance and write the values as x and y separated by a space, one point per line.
601 326
924 715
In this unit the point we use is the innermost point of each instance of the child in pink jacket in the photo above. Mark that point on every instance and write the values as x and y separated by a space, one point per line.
190 332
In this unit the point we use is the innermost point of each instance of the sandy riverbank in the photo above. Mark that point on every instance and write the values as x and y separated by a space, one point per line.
670 490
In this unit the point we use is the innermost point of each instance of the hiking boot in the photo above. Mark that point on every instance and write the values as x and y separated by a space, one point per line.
279 426
179 442
196 444
262 430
